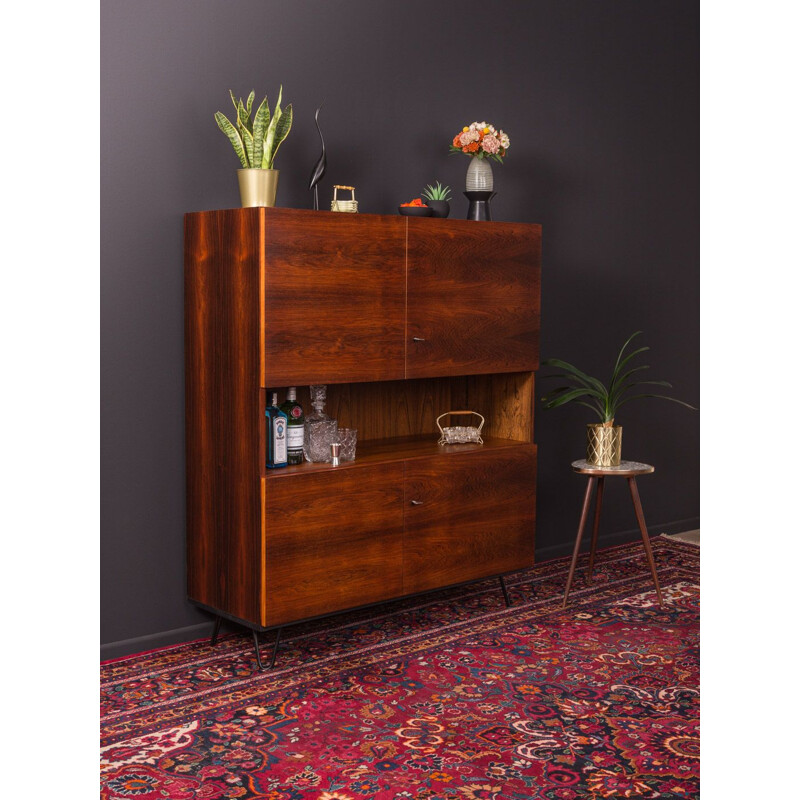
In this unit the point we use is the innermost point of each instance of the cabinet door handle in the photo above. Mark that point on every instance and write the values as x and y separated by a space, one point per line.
417 339
416 502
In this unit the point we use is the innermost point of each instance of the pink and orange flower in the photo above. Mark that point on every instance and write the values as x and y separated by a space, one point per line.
481 140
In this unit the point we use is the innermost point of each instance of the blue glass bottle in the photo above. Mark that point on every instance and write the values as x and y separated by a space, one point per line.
277 424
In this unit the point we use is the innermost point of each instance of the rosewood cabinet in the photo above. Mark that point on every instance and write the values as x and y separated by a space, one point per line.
403 319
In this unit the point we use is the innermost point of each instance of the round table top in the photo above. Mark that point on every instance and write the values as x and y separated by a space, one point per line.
626 469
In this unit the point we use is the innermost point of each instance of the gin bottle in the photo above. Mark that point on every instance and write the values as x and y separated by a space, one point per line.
296 426
321 430
276 435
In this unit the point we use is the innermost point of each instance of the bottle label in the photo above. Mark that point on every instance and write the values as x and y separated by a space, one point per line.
279 440
296 437
297 411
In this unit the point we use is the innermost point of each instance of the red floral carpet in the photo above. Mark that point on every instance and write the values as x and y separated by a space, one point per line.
447 695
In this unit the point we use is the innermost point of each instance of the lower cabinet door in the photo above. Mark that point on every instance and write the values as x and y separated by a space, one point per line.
333 540
469 516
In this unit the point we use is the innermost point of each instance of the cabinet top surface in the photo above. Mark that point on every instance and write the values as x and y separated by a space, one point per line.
330 215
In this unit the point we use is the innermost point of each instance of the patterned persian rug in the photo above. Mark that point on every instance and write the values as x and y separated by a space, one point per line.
446 695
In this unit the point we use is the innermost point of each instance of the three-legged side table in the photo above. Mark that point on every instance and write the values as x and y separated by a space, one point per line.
597 475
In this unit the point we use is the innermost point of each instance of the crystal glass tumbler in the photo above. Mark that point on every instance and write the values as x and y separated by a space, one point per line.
347 440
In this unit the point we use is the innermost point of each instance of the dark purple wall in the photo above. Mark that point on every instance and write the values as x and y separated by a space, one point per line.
601 101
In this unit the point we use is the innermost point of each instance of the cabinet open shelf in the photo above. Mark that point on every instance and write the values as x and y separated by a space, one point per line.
401 448
396 420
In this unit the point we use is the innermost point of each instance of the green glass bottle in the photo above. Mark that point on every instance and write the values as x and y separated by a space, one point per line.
296 426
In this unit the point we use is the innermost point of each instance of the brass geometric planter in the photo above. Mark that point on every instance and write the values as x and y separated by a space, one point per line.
258 187
604 445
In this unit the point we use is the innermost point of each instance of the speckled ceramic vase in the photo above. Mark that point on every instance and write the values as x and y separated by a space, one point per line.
479 175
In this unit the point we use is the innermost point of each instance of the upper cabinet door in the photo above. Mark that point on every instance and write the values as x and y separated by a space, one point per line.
334 297
473 297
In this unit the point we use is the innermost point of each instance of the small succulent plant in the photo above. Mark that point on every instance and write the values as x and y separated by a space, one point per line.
437 192
256 141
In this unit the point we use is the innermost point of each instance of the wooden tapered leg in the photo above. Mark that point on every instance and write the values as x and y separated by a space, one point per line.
637 506
598 504
584 514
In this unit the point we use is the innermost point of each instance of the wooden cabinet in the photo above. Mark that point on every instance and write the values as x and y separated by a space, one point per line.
403 319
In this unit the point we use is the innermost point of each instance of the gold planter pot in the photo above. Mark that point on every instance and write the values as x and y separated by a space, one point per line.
604 445
258 187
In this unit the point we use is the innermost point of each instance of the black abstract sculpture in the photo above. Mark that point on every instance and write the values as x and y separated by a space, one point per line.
319 167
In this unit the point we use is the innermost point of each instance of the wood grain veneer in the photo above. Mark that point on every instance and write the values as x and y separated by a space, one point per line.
333 540
403 448
334 297
476 517
507 401
473 297
389 409
223 410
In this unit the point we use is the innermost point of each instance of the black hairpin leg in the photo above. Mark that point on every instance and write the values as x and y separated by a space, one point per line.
274 649
258 650
217 624
505 591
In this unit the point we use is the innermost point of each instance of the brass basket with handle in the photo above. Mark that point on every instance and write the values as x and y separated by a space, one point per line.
460 434
350 205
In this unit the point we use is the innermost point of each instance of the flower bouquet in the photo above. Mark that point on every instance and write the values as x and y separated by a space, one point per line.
482 141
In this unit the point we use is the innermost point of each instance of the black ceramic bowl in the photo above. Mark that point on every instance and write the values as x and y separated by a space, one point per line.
415 211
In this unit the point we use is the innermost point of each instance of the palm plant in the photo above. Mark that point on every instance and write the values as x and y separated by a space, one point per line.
604 400
256 140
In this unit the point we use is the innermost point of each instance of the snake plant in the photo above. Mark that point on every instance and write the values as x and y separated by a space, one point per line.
603 400
256 139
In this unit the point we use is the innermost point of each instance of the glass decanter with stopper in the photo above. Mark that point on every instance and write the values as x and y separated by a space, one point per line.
321 430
